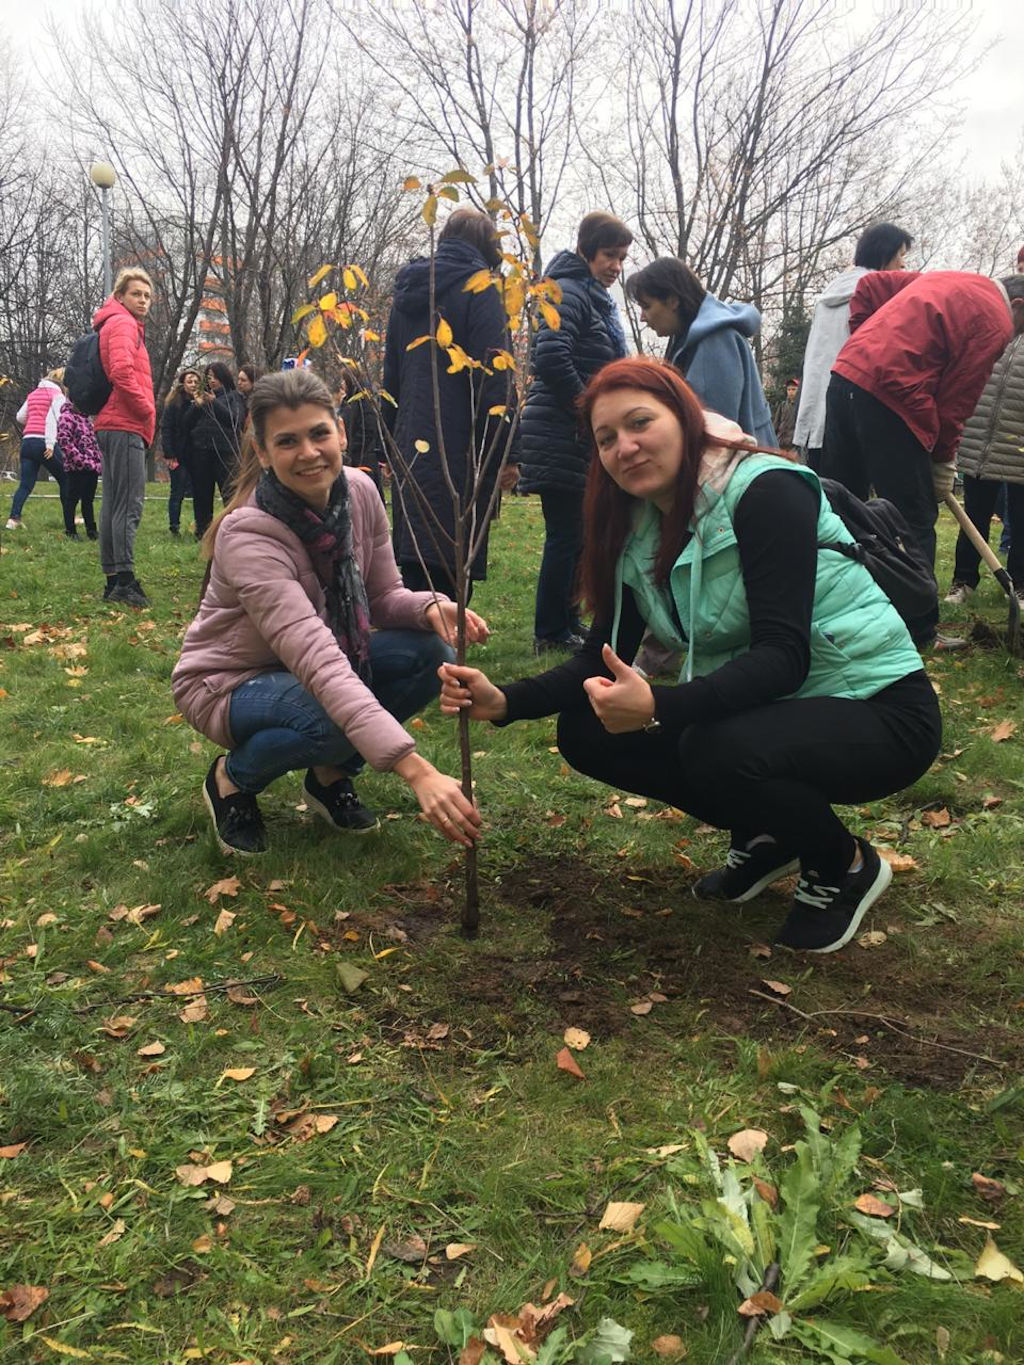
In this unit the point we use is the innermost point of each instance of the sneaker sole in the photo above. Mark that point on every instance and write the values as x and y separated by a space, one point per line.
227 848
882 880
320 809
769 879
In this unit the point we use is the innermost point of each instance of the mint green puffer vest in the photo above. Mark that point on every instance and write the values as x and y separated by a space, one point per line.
859 643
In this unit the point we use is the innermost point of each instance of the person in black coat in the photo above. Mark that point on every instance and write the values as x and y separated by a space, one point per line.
214 426
176 444
554 455
364 447
475 439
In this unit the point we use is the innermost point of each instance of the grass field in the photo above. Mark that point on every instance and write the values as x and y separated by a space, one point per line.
281 1112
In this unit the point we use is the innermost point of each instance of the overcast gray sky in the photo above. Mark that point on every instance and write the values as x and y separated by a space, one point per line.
994 94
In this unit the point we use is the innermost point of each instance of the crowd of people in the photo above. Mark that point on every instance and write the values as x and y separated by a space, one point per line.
733 665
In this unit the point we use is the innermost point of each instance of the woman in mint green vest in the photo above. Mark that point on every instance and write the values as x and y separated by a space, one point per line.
801 687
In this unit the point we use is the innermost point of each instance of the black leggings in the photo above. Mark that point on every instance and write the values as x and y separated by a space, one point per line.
209 470
79 486
774 770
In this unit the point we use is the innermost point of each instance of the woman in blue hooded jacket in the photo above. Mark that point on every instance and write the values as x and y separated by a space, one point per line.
709 342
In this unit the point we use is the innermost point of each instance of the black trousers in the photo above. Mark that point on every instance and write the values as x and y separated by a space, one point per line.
776 769
980 498
79 487
440 580
209 471
868 447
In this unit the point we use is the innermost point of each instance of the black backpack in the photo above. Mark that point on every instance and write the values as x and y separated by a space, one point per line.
883 544
84 376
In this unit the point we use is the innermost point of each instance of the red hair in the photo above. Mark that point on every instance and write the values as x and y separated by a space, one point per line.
607 510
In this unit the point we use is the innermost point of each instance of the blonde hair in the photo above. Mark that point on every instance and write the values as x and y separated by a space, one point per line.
56 376
126 276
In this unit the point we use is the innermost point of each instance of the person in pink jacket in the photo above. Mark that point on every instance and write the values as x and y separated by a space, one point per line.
308 651
124 428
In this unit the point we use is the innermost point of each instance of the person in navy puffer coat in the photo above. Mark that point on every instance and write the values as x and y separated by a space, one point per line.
475 438
555 457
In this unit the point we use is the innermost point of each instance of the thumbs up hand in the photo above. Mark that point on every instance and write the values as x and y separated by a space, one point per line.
624 702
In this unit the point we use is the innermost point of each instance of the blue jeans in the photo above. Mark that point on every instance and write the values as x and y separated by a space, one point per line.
557 612
32 462
278 727
181 488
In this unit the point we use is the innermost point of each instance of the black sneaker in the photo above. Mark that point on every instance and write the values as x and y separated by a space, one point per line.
175 530
111 584
747 872
569 644
72 535
339 805
823 919
131 594
237 821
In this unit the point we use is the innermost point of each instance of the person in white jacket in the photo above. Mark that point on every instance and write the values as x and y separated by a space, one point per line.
37 418
883 246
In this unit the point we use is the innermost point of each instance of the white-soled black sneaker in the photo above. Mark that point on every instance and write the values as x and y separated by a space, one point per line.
823 919
236 819
747 872
339 805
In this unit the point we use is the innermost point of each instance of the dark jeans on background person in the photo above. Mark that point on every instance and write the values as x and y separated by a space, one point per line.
557 611
279 728
32 463
124 496
181 488
1003 513
868 447
79 487
776 769
209 471
441 581
980 497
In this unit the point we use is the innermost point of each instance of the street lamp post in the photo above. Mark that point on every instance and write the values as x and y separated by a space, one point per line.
103 176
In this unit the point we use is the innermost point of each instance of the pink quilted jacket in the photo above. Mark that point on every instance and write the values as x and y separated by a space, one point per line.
264 608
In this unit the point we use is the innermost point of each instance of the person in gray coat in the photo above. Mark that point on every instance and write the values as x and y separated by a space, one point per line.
992 451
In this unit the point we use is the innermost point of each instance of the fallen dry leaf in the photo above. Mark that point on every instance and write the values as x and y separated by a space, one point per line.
779 987
219 1171
238 1073
115 1233
151 1050
668 1348
873 1206
192 986
18 1303
990 1190
119 1026
1006 729
899 862
9 1153
203 1244
621 1217
979 1223
238 995
759 950
641 1007
456 1249
989 802
763 1302
225 920
936 819
565 1061
746 1144
195 1012
993 1265
227 886
473 1352
768 1192
576 1038
874 938
581 1259
61 778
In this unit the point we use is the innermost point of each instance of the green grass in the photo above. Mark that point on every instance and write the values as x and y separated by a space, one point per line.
451 1121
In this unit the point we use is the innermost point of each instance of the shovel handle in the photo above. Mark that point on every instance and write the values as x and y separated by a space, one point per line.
974 535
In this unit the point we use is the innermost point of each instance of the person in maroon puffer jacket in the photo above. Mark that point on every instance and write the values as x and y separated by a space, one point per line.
124 428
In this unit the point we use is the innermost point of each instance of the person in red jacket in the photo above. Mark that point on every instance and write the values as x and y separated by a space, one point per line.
921 349
124 428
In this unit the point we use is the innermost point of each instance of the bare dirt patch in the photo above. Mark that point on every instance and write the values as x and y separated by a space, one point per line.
615 936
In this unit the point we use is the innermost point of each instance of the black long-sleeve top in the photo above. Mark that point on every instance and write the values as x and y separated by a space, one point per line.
776 535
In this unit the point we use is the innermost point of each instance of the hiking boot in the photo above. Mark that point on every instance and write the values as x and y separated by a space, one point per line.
130 594
823 919
339 805
958 594
237 821
747 872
